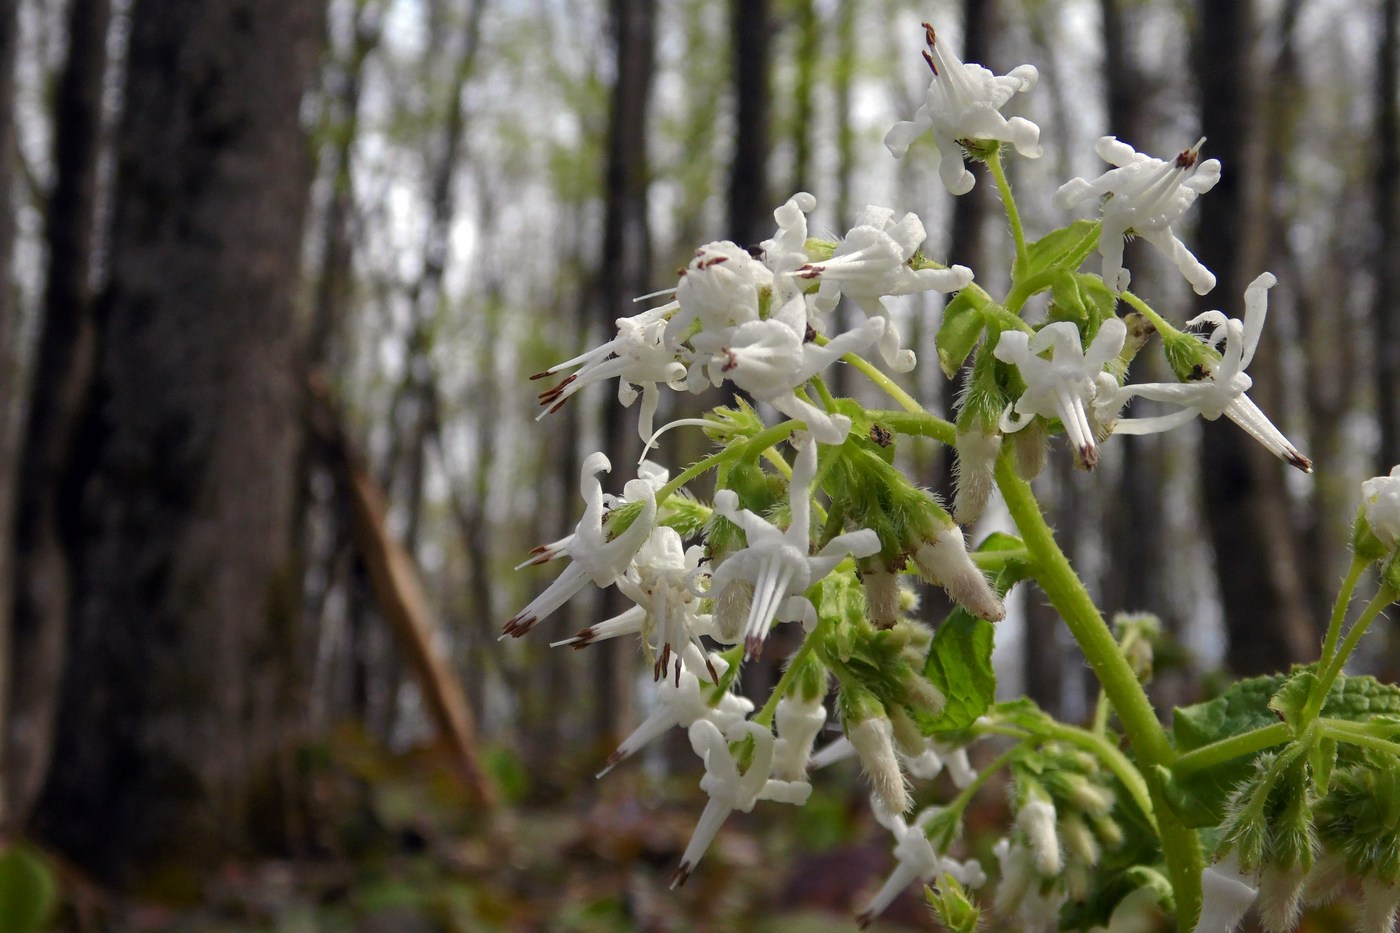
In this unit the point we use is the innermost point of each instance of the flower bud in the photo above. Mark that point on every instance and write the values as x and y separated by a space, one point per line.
975 473
908 740
1378 903
1037 820
944 561
873 740
882 594
731 612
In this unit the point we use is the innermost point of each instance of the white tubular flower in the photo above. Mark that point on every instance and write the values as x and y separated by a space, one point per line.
785 255
778 562
728 789
680 703
769 360
1037 820
1226 896
593 556
916 860
720 289
1380 497
639 356
1222 391
1145 197
873 262
964 102
959 768
1060 386
798 724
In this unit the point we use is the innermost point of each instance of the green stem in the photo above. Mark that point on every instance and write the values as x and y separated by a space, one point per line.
1180 845
1356 734
1158 322
1235 746
754 447
888 385
964 797
1384 598
1113 759
1008 201
1339 609
764 717
920 423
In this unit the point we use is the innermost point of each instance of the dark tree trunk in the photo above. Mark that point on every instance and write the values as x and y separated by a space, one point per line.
1387 198
1245 500
751 29
175 695
1134 526
48 529
625 270
9 364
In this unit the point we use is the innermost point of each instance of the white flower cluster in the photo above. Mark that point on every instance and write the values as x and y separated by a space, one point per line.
750 321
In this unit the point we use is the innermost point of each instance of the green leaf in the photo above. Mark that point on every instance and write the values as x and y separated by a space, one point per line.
1059 251
27 891
960 665
960 658
962 327
1083 299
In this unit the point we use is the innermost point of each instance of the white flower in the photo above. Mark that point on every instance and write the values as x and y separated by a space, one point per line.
1381 499
1226 896
964 102
873 262
873 740
1021 890
719 288
1060 386
770 360
666 614
1145 197
728 789
917 860
1222 390
798 723
592 555
777 562
785 255
681 702
639 356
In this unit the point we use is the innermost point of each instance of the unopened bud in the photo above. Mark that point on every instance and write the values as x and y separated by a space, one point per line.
731 612
944 561
882 595
1327 879
975 473
908 740
1378 903
1079 840
1037 820
1280 897
1030 450
873 740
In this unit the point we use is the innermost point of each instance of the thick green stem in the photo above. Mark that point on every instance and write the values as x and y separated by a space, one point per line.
919 423
1235 746
1356 734
754 447
1180 845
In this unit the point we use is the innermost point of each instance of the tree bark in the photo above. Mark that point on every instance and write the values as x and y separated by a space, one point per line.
750 213
9 364
47 527
1245 502
1386 312
174 714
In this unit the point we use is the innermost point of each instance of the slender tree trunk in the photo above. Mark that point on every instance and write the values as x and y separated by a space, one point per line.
175 695
808 58
1134 526
1245 501
1387 198
625 272
48 528
9 364
750 213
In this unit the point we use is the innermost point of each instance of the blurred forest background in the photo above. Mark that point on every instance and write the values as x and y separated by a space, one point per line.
276 272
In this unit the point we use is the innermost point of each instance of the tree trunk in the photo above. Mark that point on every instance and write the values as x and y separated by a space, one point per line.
1387 194
624 273
750 213
48 528
9 364
174 712
1245 501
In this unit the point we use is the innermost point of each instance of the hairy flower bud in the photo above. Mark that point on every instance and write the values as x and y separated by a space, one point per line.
873 740
1037 820
944 561
974 473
